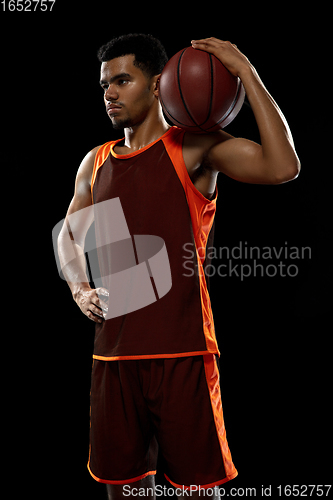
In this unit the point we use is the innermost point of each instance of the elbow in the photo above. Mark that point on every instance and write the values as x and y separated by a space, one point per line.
293 171
289 172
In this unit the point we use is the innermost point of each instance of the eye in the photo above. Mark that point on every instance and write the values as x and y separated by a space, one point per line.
122 81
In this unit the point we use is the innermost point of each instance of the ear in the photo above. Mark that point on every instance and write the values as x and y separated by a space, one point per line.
156 85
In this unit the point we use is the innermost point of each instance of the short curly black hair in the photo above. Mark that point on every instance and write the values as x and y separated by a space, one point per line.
150 55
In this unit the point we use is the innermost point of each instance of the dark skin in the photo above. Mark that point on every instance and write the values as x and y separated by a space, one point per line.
132 103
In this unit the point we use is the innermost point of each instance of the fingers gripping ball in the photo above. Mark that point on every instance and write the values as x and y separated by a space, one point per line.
198 93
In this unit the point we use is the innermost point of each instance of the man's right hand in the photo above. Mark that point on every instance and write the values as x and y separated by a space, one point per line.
88 300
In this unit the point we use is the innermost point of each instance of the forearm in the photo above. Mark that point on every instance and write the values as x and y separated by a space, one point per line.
73 266
71 242
73 262
275 161
276 139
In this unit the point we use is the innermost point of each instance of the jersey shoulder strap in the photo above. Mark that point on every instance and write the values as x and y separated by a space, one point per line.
101 155
202 210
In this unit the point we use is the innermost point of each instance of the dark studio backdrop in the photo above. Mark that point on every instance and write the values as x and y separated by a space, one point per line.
273 331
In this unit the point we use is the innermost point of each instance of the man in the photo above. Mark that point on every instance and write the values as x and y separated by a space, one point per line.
155 379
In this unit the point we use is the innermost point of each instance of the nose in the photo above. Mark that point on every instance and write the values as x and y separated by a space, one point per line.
111 93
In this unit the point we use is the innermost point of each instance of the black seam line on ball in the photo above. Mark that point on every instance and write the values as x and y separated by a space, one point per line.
167 112
232 105
211 92
180 92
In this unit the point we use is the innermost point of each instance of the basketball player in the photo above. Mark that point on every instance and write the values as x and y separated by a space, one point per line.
155 381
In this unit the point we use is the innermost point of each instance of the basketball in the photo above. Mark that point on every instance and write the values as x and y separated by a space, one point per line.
198 93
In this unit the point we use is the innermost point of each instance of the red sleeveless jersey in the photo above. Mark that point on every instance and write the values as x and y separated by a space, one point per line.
158 198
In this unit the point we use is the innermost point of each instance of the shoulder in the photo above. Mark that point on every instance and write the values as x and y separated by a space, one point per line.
89 160
197 146
205 141
82 193
85 171
87 165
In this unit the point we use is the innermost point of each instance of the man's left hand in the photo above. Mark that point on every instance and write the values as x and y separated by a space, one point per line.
226 52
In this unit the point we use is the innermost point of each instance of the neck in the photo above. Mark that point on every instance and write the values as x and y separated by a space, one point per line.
153 127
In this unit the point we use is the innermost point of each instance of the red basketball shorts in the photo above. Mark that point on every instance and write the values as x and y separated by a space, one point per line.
172 405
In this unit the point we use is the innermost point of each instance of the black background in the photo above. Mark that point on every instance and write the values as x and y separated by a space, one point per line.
273 332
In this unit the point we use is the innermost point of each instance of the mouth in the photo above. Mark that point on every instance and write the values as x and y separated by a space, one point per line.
112 109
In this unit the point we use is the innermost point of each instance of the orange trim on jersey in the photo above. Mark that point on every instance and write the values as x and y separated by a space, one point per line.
101 155
124 481
141 150
213 383
202 213
153 356
202 210
104 151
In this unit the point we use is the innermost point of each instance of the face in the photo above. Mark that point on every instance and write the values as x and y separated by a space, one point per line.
128 94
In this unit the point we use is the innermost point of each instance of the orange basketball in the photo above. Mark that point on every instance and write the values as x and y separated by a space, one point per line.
198 93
